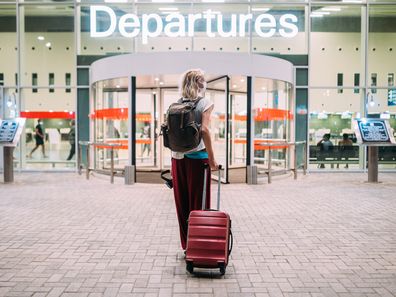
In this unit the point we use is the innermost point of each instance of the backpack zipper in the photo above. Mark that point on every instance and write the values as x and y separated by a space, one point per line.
182 118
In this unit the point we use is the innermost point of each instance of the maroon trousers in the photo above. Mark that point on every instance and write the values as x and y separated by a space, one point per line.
188 176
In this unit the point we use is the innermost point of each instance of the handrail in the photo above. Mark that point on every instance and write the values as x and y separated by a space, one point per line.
295 144
103 145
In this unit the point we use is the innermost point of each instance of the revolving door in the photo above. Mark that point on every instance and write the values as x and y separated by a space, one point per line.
251 111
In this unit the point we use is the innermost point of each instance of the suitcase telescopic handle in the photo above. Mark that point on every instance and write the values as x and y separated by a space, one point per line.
206 169
218 188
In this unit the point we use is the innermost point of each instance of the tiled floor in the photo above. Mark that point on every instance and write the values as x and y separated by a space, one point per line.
322 235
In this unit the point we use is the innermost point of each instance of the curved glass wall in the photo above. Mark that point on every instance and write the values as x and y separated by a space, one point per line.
110 118
272 121
273 115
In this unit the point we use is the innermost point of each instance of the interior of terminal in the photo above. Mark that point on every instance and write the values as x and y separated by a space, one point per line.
343 54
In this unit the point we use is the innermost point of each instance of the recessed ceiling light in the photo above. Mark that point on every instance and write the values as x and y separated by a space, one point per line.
156 79
48 44
331 9
321 12
242 80
262 9
168 8
162 1
40 38
117 86
161 83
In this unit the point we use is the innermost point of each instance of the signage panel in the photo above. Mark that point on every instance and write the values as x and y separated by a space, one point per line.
373 131
10 131
177 25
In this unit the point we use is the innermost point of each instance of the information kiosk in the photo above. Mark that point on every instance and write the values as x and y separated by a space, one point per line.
10 132
373 133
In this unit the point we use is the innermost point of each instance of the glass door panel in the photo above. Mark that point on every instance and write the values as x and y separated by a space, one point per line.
217 92
111 125
168 96
271 122
145 127
238 123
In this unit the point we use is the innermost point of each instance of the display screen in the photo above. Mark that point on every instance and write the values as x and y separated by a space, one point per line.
373 130
8 130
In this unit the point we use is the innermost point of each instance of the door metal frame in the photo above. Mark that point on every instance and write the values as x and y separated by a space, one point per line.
224 179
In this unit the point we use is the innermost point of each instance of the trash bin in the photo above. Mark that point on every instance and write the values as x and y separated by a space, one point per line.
129 174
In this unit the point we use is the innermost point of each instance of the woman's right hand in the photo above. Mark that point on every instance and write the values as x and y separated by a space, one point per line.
213 164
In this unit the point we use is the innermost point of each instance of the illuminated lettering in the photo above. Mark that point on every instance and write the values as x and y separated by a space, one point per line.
174 25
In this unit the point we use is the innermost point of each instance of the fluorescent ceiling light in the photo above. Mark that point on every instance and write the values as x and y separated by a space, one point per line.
48 44
213 1
40 38
321 12
352 1
212 11
162 1
331 9
116 1
168 8
260 9
316 15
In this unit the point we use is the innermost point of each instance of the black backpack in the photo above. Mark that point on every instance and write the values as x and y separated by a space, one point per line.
182 129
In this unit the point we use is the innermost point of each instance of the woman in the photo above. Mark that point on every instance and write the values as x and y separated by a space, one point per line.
188 167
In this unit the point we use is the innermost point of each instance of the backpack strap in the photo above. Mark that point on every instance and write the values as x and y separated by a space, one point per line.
195 102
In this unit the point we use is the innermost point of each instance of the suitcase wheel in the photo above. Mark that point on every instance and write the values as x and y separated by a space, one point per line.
222 268
190 267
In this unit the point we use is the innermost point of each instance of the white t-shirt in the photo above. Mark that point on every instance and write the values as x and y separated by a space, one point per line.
203 105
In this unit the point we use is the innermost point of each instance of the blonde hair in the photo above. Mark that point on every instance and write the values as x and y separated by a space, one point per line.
191 83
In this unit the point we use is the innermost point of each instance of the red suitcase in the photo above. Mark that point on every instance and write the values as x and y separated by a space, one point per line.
209 238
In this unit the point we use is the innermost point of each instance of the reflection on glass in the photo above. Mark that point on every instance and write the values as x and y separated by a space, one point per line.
285 33
8 53
238 126
47 141
168 97
223 21
335 44
145 105
49 47
110 117
115 43
332 140
272 117
216 92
